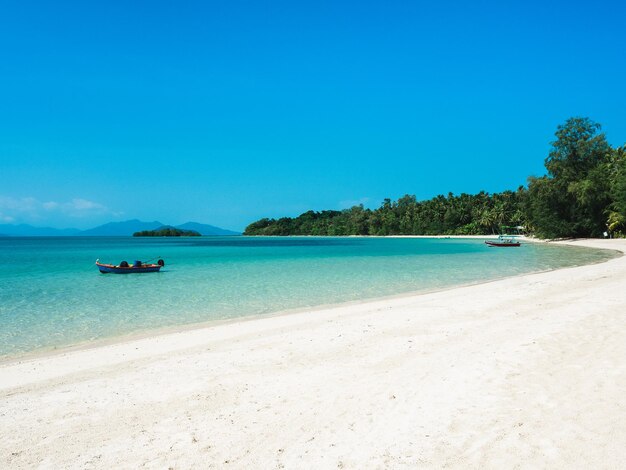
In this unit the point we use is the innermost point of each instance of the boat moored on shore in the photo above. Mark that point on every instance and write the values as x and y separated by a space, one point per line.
503 242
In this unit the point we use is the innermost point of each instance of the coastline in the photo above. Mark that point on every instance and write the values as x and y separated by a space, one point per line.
177 329
441 378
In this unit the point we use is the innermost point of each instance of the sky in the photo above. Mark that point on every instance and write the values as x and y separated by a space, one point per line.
223 112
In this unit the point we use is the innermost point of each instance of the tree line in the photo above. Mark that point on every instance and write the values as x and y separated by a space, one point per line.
167 232
583 194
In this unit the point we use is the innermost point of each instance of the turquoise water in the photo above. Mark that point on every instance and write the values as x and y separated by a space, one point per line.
52 295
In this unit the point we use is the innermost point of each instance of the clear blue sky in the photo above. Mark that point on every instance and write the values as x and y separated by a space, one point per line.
225 112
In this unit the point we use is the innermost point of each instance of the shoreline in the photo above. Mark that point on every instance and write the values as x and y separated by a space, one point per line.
526 369
178 329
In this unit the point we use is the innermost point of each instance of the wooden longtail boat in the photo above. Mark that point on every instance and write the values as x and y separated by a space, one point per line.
125 268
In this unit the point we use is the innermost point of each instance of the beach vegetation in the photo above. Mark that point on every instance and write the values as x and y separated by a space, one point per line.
167 232
573 198
464 214
582 194
616 212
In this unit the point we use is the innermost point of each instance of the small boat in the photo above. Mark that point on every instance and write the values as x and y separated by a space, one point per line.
125 268
503 242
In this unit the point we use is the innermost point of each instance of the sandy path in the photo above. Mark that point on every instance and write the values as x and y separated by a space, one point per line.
528 372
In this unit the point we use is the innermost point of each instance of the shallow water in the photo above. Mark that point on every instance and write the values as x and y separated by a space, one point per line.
52 295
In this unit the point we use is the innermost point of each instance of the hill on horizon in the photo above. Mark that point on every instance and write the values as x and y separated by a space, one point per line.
205 229
25 230
121 229
112 229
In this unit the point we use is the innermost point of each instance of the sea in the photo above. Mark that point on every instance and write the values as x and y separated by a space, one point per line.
52 295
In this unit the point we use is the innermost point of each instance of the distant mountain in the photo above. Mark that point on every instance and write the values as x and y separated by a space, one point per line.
120 229
112 229
25 230
205 229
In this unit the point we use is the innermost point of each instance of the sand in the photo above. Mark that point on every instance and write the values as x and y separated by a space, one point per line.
526 372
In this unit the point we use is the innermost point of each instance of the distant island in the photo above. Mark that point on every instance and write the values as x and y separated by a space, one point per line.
167 232
582 195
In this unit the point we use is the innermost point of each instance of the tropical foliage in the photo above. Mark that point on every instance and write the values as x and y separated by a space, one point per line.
573 198
167 232
583 194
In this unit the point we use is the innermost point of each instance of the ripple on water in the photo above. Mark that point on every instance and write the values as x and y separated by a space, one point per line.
52 295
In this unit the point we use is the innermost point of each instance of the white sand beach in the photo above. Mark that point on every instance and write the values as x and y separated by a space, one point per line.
526 372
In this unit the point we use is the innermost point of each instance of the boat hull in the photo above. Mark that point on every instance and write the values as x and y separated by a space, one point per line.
112 269
501 244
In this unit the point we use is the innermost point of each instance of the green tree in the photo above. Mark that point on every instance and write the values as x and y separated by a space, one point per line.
579 147
572 200
616 213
